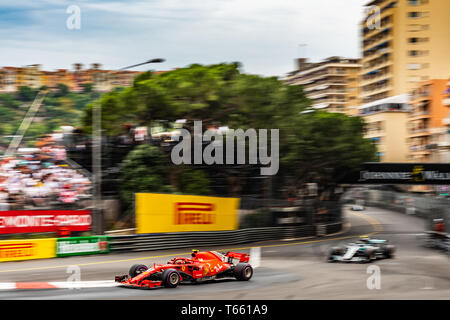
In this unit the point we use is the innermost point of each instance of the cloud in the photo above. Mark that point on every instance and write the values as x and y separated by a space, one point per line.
263 34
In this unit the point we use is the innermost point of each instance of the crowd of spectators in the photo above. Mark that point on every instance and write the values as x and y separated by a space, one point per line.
40 178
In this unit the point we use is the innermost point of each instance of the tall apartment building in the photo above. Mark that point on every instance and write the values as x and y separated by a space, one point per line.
444 141
386 125
439 140
425 123
404 42
331 84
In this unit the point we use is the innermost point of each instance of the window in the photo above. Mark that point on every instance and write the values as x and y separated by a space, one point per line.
414 27
417 40
414 14
413 53
417 2
413 66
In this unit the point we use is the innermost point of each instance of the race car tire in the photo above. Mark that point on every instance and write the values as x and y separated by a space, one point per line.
170 278
389 252
335 250
243 271
370 255
137 269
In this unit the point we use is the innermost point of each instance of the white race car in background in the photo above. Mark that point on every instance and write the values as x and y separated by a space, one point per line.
358 205
364 250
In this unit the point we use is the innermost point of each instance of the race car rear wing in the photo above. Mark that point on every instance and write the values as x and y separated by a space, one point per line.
242 257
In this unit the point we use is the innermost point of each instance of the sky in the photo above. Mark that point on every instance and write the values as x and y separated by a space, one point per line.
264 35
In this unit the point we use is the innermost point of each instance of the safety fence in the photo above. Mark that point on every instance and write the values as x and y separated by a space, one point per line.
428 208
434 211
148 242
437 240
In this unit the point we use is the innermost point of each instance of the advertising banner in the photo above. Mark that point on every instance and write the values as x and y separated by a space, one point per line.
82 245
16 250
157 213
31 221
400 173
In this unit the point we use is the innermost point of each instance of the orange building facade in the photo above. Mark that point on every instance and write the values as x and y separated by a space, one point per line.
426 120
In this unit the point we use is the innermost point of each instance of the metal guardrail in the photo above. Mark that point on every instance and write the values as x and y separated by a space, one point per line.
149 242
438 240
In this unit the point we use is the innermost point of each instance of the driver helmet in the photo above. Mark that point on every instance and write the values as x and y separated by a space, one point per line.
194 253
364 238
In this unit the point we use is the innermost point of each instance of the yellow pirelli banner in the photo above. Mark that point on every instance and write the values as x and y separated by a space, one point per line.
158 213
16 250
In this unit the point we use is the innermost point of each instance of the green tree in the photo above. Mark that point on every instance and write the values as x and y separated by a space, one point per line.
145 169
62 90
322 147
194 181
87 87
314 147
26 93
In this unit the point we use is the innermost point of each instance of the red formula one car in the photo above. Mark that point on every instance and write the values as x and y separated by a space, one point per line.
202 266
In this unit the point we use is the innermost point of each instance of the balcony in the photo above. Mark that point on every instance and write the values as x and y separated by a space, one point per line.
444 144
446 102
313 78
373 133
376 91
385 23
417 98
419 132
308 79
419 115
422 148
379 39
381 63
324 83
380 54
326 102
325 93
381 76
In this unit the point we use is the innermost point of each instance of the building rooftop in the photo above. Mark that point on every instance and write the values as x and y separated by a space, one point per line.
303 65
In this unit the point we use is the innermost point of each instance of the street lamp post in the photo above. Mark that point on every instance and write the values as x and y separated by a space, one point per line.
98 221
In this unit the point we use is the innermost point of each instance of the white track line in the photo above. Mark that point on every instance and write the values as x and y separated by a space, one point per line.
85 284
58 285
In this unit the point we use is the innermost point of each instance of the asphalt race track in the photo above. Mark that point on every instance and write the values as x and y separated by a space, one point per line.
289 269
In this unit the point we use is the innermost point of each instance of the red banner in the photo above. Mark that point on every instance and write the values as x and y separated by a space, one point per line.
30 221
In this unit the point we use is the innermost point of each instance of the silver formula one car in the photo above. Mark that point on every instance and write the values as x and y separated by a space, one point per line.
364 250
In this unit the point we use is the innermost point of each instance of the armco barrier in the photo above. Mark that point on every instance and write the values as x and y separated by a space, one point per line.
148 242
